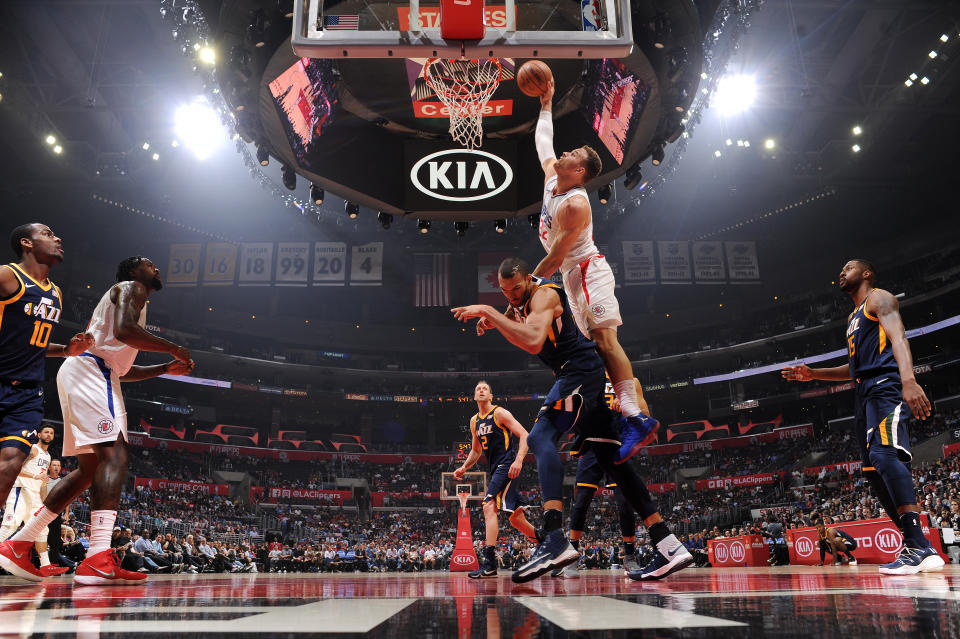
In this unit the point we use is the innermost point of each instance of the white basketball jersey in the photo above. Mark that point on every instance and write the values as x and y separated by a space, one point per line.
118 356
38 464
583 248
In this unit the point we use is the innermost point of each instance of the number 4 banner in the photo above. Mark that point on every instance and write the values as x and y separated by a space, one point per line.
256 264
366 265
329 262
292 261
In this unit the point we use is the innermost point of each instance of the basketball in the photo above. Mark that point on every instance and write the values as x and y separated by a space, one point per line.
532 78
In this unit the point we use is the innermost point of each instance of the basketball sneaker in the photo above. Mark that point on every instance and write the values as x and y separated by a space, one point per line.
852 562
913 560
554 552
635 433
51 570
570 572
104 568
15 559
664 563
630 564
486 571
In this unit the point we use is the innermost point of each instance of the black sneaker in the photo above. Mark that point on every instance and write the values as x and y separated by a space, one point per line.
554 552
486 571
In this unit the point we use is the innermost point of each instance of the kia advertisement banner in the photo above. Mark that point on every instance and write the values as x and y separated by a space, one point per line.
441 178
719 483
878 541
181 486
747 550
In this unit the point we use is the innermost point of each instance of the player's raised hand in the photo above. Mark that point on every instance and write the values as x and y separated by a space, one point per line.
79 343
547 98
483 326
180 353
801 373
916 399
458 473
463 313
515 468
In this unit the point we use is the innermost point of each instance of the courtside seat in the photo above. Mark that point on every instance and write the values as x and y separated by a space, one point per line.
280 444
681 438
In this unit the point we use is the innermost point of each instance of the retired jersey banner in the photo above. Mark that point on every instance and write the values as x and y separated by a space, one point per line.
329 263
366 265
293 261
742 262
719 483
709 267
639 263
220 267
488 285
674 262
184 267
256 264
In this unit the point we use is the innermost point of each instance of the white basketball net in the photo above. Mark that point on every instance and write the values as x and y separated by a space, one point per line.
464 87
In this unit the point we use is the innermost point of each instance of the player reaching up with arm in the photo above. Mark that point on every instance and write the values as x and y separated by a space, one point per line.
566 232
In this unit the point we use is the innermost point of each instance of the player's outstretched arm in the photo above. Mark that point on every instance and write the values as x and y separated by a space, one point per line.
79 343
507 419
174 367
885 307
130 298
543 137
803 373
528 336
572 218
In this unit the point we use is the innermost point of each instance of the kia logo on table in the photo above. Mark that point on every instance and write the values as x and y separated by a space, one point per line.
803 546
737 551
888 540
461 175
721 552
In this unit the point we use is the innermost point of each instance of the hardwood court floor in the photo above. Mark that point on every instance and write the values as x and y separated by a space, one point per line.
804 602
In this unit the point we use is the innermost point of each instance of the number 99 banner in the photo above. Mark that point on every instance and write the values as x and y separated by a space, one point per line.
293 259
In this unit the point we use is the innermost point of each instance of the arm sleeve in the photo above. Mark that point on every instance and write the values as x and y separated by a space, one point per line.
544 137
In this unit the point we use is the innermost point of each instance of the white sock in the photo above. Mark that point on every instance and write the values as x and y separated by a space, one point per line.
101 530
44 558
627 394
32 529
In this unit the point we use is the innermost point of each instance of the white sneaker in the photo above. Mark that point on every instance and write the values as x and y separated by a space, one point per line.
570 572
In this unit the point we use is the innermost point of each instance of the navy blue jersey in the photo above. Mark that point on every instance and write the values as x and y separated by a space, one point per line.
565 343
870 352
27 319
494 439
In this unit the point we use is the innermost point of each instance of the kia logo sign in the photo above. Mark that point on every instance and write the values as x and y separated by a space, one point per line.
461 175
721 552
737 551
463 560
888 540
803 546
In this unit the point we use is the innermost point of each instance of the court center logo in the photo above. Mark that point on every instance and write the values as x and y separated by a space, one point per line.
461 175
803 546
105 426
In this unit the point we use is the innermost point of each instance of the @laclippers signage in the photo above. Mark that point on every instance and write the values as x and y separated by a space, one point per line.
444 179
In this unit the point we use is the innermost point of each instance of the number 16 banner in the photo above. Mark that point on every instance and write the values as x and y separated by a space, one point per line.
329 263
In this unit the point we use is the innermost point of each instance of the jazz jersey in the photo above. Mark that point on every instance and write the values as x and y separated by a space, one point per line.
494 439
27 320
868 348
584 248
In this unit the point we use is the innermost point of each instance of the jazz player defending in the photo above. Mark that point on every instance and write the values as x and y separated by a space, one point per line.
95 422
30 307
27 496
886 393
491 428
566 232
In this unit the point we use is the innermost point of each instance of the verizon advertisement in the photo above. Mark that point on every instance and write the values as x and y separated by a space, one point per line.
719 483
878 541
748 550
438 177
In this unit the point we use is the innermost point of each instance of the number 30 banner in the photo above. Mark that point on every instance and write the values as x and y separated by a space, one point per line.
184 266
329 263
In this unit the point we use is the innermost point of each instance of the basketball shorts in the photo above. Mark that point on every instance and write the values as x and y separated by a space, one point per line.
589 473
504 490
881 417
21 411
22 502
848 540
93 410
591 291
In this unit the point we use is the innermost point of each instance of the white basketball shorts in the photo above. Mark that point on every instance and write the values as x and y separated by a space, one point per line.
93 410
591 288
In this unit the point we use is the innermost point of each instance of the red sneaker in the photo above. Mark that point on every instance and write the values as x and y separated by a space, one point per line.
52 570
15 559
104 568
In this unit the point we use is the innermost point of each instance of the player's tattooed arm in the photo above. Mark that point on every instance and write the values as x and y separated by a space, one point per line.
130 298
572 218
885 307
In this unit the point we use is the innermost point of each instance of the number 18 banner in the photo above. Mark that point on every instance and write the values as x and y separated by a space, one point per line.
256 264
329 263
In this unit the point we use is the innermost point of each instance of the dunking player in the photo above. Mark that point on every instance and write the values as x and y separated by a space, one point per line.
95 422
886 393
30 306
835 542
588 481
566 232
29 491
491 428
539 322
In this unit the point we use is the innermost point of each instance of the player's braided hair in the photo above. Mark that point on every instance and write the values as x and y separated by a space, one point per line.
125 268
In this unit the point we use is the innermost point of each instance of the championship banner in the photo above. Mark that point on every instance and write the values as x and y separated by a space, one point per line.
745 550
742 262
850 467
256 264
488 285
292 261
182 486
709 267
719 483
639 263
220 267
366 265
674 262
184 266
329 263
878 541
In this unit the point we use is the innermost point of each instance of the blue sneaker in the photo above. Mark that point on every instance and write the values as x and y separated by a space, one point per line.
913 560
554 552
486 571
663 564
635 433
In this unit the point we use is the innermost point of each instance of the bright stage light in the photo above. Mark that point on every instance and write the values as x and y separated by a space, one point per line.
735 94
51 140
207 55
770 143
198 127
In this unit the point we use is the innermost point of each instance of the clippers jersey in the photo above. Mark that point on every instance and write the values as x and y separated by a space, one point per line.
870 353
494 439
118 356
40 463
584 248
565 343
27 319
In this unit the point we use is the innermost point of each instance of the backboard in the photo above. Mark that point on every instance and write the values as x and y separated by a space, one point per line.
550 29
472 484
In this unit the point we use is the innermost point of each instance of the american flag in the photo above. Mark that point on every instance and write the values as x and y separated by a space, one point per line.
341 23
431 279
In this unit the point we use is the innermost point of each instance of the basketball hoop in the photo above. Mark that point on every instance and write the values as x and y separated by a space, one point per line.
464 87
463 498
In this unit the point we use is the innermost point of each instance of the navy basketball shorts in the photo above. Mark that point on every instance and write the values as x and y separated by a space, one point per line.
881 417
589 473
21 412
505 491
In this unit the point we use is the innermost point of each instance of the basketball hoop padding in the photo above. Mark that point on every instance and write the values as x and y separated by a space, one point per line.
463 558
461 20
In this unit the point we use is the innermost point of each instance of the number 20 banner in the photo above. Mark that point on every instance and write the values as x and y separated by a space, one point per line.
329 263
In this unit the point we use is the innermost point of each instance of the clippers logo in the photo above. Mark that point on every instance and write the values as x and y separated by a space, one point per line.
104 426
598 310
803 546
888 540
737 552
460 175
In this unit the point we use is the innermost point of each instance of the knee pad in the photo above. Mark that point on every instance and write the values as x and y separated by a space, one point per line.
581 503
896 476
